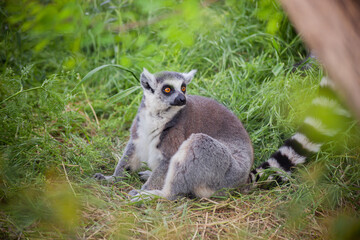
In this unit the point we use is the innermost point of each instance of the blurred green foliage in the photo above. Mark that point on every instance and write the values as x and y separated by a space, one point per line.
45 22
54 136
270 11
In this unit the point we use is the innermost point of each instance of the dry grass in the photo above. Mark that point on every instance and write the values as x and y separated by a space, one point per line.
258 215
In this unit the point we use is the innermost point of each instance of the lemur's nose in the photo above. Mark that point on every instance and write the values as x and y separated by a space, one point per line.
180 100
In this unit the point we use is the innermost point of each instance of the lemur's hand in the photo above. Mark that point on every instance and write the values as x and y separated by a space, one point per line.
100 176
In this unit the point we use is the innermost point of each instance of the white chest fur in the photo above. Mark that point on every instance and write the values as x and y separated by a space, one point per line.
149 129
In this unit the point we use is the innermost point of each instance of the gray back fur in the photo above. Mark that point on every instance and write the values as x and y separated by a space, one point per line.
204 115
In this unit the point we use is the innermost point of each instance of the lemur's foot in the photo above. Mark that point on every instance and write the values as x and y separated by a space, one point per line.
144 175
138 195
100 176
133 193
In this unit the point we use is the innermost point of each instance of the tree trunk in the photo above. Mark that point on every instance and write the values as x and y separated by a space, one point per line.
331 28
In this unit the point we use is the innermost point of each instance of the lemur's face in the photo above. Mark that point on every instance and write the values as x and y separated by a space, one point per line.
166 89
173 92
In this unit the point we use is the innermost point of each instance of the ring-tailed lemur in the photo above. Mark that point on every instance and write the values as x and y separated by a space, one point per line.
201 147
323 122
192 144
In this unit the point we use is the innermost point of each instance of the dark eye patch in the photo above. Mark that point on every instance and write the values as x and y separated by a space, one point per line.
183 87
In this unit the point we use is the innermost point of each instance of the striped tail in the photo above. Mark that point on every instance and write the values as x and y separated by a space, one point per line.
322 123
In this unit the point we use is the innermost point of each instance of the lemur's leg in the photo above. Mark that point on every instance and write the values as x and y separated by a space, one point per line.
156 177
128 160
201 166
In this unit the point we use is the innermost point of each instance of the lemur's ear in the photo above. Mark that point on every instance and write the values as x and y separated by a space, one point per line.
189 76
148 80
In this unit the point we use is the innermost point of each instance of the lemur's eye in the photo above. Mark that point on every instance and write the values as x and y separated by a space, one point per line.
183 88
167 89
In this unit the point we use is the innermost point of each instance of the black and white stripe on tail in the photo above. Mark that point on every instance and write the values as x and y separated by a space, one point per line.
322 123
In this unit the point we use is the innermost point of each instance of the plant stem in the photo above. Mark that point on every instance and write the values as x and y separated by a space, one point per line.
22 91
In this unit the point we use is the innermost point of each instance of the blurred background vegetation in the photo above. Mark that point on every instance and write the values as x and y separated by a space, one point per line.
69 91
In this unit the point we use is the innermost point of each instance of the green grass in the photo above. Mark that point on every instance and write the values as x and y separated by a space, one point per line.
61 123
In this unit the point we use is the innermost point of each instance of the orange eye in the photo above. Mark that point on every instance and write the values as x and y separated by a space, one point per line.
183 89
167 90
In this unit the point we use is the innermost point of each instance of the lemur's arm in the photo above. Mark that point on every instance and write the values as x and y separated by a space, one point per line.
123 163
157 178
